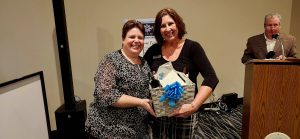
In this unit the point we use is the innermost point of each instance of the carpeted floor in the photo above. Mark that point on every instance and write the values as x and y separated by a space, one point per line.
213 124
219 124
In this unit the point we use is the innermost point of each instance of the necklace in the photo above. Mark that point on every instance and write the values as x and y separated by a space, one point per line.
171 52
133 60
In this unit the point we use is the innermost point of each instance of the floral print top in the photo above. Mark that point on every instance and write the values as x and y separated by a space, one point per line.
116 76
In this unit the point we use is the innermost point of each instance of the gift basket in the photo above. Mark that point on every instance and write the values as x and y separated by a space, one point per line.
170 89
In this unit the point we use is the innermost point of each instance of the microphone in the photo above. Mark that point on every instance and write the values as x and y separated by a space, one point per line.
270 55
276 36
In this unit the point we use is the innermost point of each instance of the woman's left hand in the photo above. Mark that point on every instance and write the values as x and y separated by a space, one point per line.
184 111
147 105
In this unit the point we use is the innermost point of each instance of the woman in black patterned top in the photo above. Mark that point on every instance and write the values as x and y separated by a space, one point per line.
186 56
121 98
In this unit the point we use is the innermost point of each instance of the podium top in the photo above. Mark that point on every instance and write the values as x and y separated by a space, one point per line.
288 61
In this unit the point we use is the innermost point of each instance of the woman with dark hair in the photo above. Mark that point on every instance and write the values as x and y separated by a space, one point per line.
186 56
121 97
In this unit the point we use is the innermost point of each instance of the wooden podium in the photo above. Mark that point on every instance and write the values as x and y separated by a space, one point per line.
271 98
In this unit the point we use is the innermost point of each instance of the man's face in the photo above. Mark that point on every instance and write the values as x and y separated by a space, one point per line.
272 26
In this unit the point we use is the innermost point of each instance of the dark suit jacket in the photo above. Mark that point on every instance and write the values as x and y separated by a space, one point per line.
257 47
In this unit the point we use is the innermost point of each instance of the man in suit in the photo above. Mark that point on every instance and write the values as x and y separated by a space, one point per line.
259 46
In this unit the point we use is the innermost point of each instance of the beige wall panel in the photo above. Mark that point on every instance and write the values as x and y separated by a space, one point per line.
28 43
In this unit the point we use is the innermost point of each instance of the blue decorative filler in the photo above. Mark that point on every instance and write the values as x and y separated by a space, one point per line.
173 93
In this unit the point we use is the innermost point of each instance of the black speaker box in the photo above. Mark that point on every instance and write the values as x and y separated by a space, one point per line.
230 100
70 123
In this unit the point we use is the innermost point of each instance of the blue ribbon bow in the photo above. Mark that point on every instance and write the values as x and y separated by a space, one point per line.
173 93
